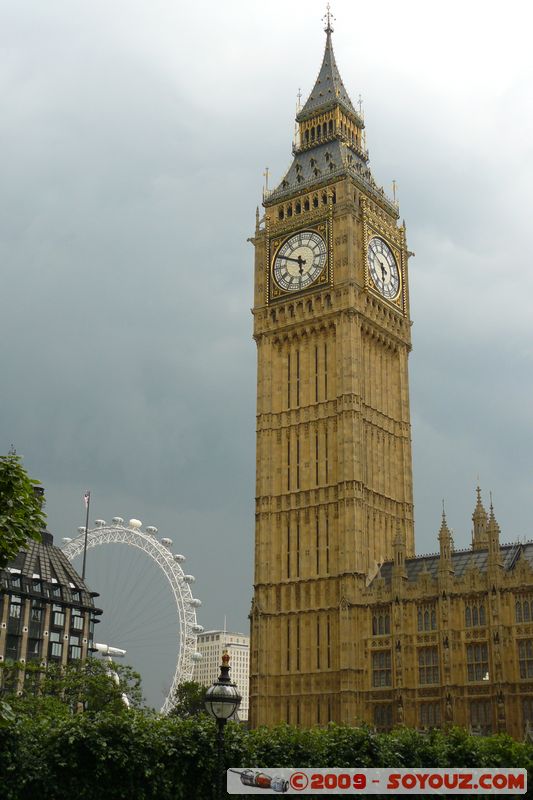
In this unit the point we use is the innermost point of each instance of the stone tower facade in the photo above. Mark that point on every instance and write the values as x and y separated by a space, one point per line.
347 624
334 474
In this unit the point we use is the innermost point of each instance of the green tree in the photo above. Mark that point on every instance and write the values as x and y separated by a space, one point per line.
21 513
189 698
55 690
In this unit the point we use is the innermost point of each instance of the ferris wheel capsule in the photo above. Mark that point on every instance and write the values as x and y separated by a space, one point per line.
179 558
166 542
198 628
189 578
117 520
151 529
194 602
197 656
100 523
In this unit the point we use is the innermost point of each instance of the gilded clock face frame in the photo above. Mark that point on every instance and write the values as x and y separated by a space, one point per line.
383 268
299 261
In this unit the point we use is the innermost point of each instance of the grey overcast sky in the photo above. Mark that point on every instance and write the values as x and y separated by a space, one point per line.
133 138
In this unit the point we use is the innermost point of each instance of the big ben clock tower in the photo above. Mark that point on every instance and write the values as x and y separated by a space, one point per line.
334 476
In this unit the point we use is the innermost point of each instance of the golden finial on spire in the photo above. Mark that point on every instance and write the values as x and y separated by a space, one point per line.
328 19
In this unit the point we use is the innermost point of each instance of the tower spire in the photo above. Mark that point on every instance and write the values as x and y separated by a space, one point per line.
329 88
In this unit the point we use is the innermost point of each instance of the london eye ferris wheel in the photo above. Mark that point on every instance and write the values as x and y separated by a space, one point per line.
182 624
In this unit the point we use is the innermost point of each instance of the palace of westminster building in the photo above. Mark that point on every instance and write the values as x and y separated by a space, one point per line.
347 623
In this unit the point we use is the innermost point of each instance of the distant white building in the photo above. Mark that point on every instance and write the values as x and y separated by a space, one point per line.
211 644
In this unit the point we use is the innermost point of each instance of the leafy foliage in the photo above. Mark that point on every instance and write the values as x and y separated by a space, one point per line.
58 690
189 698
137 756
21 513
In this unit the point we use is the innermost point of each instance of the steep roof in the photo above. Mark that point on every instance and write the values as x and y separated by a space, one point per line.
322 163
462 561
49 563
328 87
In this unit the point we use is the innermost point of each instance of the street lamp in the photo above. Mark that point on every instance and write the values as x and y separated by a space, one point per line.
222 700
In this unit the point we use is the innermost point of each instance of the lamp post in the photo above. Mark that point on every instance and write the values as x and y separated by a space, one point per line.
222 701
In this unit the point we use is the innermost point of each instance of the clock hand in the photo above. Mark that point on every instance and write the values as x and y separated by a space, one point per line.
298 260
301 263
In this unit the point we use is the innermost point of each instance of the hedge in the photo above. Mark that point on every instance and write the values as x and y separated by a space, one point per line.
137 756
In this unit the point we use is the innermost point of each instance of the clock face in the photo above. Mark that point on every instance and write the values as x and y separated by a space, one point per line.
299 261
383 268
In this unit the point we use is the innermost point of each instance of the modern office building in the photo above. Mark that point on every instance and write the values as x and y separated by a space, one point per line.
47 613
211 644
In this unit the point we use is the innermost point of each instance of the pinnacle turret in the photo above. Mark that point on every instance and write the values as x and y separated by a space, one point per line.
480 522
445 545
493 536
399 572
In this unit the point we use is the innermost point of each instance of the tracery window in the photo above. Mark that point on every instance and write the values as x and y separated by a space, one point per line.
525 658
429 715
428 665
383 716
481 715
381 622
475 615
527 710
523 609
477 661
381 668
427 617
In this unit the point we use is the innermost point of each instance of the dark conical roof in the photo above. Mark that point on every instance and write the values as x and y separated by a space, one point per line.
328 87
